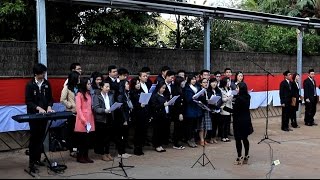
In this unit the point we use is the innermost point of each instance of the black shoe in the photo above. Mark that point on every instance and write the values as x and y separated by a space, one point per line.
308 124
138 152
314 124
39 163
284 129
33 169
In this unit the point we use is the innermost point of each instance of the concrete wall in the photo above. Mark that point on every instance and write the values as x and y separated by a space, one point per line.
17 59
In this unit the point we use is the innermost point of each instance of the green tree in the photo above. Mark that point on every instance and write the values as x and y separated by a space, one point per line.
17 20
113 27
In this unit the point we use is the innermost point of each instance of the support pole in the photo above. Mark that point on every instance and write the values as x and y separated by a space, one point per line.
206 43
299 60
41 32
42 47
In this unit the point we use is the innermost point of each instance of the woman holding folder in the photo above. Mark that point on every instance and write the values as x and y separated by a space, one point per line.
160 109
103 118
177 112
192 112
213 90
205 124
138 116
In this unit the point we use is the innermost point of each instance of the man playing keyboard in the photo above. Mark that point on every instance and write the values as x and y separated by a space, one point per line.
38 97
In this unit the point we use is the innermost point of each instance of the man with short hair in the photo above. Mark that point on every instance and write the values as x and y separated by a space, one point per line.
112 78
147 71
205 74
38 98
228 73
162 76
217 75
182 73
311 98
74 67
123 74
285 100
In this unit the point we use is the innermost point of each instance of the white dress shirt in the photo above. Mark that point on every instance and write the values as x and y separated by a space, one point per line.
144 87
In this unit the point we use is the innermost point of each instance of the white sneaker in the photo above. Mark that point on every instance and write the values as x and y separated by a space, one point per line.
158 149
124 156
179 147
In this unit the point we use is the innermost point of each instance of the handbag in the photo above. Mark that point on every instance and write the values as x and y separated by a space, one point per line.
293 101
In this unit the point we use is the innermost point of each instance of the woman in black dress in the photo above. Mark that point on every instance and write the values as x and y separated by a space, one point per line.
242 125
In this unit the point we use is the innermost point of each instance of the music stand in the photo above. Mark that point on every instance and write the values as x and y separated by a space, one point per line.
120 166
203 155
267 116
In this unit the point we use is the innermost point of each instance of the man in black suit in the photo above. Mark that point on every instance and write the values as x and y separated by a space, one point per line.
147 71
112 78
285 99
311 98
162 76
168 95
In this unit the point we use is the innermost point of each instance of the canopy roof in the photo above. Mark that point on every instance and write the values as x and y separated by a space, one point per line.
173 7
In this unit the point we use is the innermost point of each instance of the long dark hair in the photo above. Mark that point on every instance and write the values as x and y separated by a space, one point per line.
236 76
190 77
210 88
73 80
122 87
177 83
243 89
83 87
94 76
223 83
159 85
133 83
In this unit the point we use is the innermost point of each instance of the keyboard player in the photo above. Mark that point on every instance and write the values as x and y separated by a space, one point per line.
38 97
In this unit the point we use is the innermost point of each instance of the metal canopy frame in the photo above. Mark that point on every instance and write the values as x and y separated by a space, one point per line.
173 7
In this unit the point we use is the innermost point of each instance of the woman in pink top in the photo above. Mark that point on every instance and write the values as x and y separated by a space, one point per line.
84 120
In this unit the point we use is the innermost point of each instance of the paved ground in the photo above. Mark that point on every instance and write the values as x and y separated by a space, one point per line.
299 155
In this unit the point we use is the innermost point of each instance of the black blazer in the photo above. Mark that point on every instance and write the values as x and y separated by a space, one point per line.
285 93
158 108
242 125
35 97
295 91
114 86
178 106
309 89
167 94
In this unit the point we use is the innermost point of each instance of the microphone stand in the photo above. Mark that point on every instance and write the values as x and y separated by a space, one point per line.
267 116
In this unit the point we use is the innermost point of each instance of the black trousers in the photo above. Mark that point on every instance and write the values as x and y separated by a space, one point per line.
83 141
37 136
285 116
178 131
191 127
103 137
71 142
293 116
215 119
160 131
225 124
242 140
311 108
140 126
